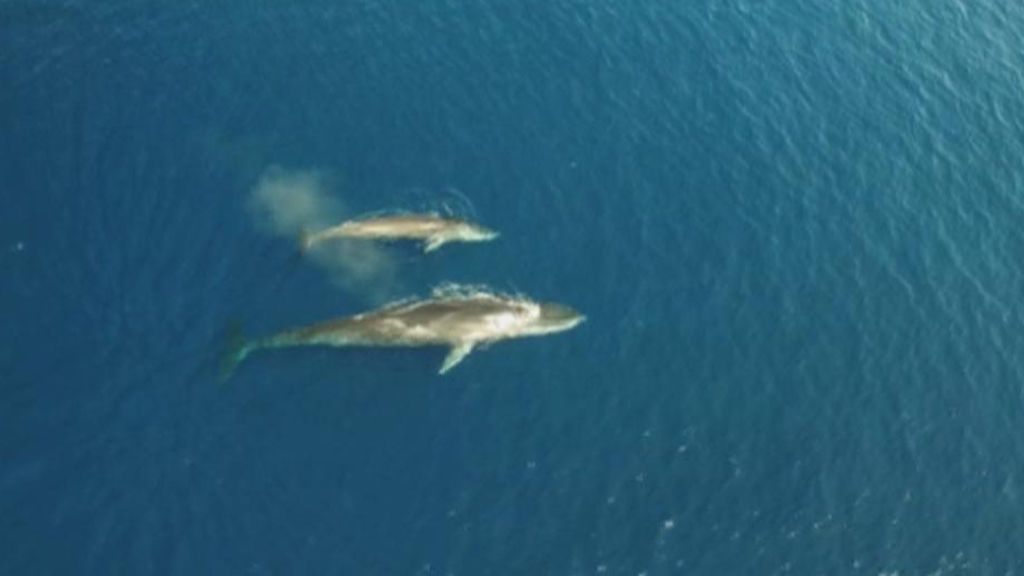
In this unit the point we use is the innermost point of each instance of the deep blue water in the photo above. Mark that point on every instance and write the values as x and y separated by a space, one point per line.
795 227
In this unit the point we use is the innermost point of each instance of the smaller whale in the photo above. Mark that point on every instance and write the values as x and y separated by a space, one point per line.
431 229
456 318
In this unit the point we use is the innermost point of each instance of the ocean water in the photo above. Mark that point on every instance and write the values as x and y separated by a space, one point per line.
795 228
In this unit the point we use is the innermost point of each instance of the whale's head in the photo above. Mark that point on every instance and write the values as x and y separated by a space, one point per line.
471 232
487 317
554 318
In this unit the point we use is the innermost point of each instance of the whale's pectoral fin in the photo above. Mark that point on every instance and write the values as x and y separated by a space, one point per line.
433 243
456 355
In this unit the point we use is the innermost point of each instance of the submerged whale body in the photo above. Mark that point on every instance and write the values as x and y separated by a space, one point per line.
459 320
431 229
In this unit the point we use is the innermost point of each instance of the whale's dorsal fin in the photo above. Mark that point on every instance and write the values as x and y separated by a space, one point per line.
433 243
457 354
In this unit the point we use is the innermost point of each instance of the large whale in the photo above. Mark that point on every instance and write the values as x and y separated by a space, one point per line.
459 320
432 229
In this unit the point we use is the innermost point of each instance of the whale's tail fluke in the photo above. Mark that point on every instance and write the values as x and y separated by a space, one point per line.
235 352
305 240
